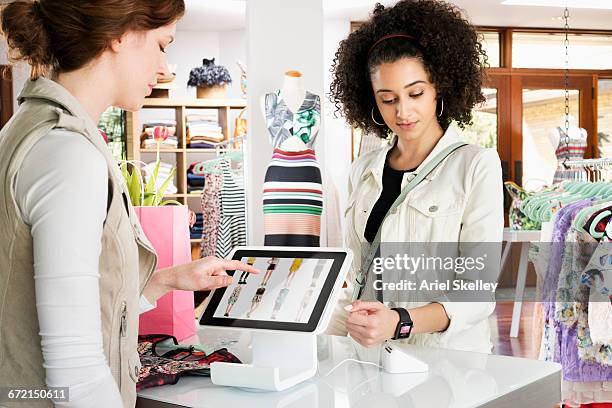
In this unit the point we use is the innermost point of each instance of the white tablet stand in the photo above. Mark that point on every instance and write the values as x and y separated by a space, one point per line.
280 360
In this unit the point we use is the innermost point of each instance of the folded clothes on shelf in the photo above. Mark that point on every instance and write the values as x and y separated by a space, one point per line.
194 190
194 180
203 116
206 135
149 143
149 130
204 124
162 174
159 122
203 145
197 230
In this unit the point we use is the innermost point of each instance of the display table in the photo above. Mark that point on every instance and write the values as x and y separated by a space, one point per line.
524 237
455 378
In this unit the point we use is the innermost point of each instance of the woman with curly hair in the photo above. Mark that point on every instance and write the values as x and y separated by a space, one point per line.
405 75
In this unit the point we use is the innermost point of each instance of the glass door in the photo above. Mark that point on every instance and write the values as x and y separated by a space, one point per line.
604 117
542 116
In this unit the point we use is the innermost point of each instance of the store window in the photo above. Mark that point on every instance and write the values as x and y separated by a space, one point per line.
112 123
490 42
483 130
547 50
604 117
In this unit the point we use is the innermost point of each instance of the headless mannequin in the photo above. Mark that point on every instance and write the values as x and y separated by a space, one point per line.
293 93
574 132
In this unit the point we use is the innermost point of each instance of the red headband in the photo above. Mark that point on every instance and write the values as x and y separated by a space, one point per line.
388 36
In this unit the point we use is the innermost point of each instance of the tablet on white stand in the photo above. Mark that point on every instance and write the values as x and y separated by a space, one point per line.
284 307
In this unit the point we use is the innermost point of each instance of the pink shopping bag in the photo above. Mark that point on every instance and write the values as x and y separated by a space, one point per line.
167 227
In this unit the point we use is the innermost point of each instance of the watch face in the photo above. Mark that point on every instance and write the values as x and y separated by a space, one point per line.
405 330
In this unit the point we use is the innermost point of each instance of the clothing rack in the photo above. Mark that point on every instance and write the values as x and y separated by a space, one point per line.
589 162
211 166
591 169
231 140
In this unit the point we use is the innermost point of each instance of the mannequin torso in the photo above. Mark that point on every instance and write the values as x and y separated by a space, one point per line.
575 133
293 94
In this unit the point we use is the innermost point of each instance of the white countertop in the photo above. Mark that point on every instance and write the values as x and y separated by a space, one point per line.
455 379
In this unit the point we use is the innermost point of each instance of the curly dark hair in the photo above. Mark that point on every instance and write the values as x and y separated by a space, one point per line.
446 43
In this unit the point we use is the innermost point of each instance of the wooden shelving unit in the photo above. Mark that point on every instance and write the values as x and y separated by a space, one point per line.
182 153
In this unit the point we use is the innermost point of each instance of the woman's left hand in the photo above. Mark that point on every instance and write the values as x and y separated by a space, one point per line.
371 323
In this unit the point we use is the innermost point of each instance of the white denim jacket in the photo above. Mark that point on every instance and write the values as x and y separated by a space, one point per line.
460 201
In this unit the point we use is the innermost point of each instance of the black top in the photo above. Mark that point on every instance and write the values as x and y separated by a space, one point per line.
392 187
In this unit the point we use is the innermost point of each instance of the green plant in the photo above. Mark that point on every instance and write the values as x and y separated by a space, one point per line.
147 194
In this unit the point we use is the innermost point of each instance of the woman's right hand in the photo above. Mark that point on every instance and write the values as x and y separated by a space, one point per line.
208 273
203 274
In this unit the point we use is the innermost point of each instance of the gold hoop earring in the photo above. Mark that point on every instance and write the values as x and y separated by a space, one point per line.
441 110
374 120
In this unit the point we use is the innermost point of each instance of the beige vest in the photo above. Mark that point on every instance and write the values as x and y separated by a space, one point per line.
126 262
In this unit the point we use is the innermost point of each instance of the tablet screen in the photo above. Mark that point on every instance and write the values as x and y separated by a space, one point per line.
289 293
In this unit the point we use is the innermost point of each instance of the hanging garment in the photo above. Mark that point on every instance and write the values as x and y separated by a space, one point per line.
597 276
571 316
232 215
211 210
293 199
574 150
562 222
517 219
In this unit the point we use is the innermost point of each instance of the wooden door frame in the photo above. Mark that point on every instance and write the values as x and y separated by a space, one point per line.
6 94
510 110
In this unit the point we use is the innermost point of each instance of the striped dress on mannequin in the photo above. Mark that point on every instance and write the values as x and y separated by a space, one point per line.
574 151
293 196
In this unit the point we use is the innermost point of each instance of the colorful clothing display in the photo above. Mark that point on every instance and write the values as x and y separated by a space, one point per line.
572 266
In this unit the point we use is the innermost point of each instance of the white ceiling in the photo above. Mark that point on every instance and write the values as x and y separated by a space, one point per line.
229 15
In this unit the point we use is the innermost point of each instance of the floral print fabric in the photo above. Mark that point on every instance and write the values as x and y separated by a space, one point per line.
282 123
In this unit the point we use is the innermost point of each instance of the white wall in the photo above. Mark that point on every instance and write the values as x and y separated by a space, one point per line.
187 51
337 132
190 47
232 48
281 35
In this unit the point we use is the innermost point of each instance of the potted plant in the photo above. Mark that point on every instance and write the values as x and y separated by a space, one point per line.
211 80
148 193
